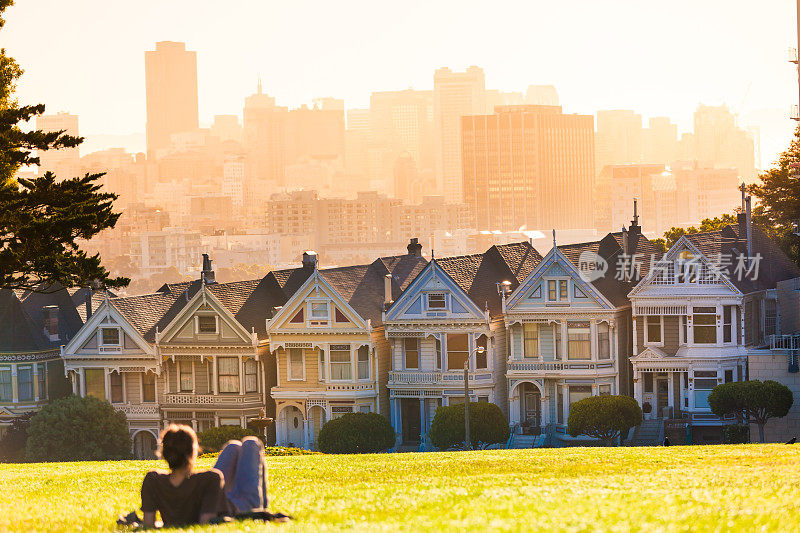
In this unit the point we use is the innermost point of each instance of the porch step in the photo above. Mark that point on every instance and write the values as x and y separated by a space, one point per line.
649 433
519 442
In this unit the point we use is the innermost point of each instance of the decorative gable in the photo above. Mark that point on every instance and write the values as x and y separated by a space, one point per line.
202 320
434 295
107 331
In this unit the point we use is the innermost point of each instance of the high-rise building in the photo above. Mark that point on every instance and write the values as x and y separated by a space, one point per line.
529 166
455 95
265 137
233 181
64 162
357 144
227 128
619 138
495 98
720 142
171 84
315 133
541 95
400 122
661 141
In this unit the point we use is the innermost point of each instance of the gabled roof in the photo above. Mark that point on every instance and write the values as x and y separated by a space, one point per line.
18 332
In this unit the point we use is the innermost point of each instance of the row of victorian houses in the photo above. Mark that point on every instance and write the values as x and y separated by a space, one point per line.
310 344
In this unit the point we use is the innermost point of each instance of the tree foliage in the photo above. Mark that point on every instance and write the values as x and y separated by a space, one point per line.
603 417
487 424
757 401
672 235
778 209
12 445
78 429
42 219
356 433
214 439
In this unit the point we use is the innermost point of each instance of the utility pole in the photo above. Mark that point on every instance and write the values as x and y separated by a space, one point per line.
467 441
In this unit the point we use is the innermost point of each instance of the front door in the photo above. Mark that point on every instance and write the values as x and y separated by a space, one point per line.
412 425
533 411
662 396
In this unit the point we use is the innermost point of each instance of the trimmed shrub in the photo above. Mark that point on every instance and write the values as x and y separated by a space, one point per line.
756 400
356 433
212 440
78 429
604 417
12 446
736 434
487 424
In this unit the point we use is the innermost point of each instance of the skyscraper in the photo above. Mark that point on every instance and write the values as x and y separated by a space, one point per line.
619 138
529 166
265 137
541 95
64 162
171 84
720 142
661 141
455 95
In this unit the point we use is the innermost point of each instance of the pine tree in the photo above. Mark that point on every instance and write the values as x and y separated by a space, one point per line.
42 219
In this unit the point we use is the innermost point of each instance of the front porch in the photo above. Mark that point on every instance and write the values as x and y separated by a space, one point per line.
299 421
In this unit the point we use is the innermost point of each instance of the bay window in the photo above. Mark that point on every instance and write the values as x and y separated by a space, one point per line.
482 358
457 350
341 363
363 362
5 383
704 325
250 375
437 345
411 353
186 376
531 340
115 378
321 365
578 340
296 364
228 373
42 381
704 382
727 323
148 387
557 340
25 382
653 329
603 341
95 382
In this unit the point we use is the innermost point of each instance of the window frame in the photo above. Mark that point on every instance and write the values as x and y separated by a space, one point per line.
199 329
112 387
600 344
558 287
456 352
103 343
647 324
359 362
146 386
341 364
181 372
443 307
220 375
728 327
526 338
588 340
6 370
318 321
248 374
41 370
713 315
406 351
29 368
289 352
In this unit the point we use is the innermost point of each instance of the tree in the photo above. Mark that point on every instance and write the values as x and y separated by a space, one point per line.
41 219
214 439
78 429
759 401
356 433
604 417
778 195
487 424
672 235
12 445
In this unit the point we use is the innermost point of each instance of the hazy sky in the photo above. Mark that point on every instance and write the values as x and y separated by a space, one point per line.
658 58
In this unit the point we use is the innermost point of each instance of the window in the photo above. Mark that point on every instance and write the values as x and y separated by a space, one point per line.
648 381
319 310
437 346
653 329
604 390
437 300
228 374
411 353
95 382
42 381
338 411
728 376
230 422
25 382
560 404
557 339
364 408
363 362
110 336
704 325
704 382
770 317
578 340
562 290
250 376
603 341
552 290
322 365
5 383
531 335
115 379
206 324
684 330
296 363
148 387
50 321
557 290
298 318
457 351
686 268
483 399
185 374
482 359
578 393
727 323
341 364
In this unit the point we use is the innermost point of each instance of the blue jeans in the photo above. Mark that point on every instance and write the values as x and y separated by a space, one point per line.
245 471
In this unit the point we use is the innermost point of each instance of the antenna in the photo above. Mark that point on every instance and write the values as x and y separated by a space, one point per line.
554 237
635 221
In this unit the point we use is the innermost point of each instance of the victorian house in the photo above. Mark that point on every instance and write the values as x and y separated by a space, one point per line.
569 333
449 319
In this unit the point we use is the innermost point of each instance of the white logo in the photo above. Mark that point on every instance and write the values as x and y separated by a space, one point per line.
591 266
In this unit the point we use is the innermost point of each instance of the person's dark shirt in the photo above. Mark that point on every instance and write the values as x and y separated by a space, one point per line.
199 493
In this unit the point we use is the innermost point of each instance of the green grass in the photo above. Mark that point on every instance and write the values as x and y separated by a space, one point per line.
720 488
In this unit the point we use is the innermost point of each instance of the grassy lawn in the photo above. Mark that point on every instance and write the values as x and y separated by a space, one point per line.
575 489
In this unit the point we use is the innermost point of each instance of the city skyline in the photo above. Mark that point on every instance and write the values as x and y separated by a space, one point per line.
722 54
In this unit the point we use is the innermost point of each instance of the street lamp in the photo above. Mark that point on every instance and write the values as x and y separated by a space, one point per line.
467 441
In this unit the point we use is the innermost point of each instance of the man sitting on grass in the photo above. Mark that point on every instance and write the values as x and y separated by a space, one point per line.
237 485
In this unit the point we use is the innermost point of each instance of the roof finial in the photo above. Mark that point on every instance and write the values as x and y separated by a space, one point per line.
554 237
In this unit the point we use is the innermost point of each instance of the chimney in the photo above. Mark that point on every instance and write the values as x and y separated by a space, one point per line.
635 228
625 246
309 260
387 290
414 248
207 275
88 301
50 322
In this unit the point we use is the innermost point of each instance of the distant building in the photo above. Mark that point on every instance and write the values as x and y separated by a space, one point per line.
63 162
315 133
153 252
265 137
357 137
171 85
529 166
541 95
718 141
619 138
455 94
660 141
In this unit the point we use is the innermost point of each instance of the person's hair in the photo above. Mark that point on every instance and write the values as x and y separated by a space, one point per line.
177 445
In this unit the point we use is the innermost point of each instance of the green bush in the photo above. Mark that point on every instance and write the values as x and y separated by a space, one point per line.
356 433
78 429
754 401
603 417
12 446
487 424
212 440
736 434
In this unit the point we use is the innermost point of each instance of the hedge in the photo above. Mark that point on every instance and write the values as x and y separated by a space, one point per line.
356 433
487 424
212 440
